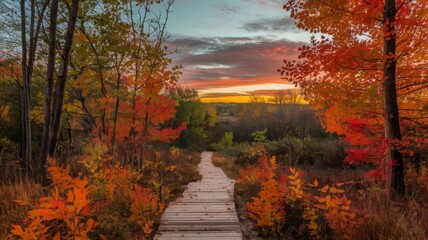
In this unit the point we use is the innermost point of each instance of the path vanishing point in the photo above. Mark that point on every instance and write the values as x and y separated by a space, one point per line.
206 210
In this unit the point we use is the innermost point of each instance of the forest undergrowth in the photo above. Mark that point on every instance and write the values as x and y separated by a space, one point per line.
96 198
276 201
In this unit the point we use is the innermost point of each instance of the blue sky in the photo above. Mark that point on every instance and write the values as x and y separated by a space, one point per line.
222 18
224 45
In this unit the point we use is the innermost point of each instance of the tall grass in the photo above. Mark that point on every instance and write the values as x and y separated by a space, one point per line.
10 211
386 219
226 163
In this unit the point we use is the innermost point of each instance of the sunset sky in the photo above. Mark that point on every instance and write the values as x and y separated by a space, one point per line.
231 48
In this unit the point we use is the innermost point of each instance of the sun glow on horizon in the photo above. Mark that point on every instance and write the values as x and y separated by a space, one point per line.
244 90
227 99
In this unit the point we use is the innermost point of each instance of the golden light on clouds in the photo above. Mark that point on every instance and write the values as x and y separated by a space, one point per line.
229 99
244 94
244 90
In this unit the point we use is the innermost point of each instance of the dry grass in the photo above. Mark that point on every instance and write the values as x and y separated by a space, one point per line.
10 211
380 218
187 165
393 220
226 163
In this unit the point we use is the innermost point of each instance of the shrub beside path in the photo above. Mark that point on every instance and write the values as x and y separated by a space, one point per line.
206 210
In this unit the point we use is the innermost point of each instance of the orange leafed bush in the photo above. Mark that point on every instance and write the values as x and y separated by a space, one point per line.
336 209
319 208
120 184
263 171
266 209
65 214
145 207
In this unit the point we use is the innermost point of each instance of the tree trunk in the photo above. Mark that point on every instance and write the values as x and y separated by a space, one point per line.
27 73
144 143
116 114
25 94
48 91
88 120
22 132
392 123
144 138
58 100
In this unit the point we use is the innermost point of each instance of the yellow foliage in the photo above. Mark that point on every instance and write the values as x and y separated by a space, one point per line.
174 151
295 186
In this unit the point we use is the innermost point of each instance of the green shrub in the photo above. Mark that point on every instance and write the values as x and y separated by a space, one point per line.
259 136
317 151
225 142
238 149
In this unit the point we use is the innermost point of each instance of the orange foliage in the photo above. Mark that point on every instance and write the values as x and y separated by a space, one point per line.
279 192
143 108
263 171
65 214
120 183
71 210
336 209
146 207
266 209
341 71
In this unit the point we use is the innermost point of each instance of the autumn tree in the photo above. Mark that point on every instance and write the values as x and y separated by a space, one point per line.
35 46
363 51
54 100
286 114
21 26
30 29
10 108
123 69
49 84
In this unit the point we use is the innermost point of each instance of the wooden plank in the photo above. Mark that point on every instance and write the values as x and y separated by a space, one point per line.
199 214
201 207
211 209
201 227
208 189
196 238
196 204
201 222
195 200
202 234
199 218
216 195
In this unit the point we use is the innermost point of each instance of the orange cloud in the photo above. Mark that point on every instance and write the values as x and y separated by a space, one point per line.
226 99
212 65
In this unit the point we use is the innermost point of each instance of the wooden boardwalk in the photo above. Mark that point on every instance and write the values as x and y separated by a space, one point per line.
206 210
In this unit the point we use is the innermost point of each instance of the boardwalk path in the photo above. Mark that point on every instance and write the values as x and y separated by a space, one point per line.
206 210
